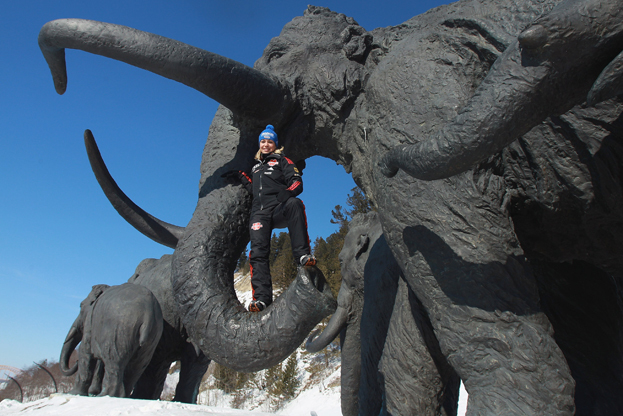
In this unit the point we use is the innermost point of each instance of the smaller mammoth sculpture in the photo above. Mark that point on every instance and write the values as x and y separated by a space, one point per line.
387 338
118 328
174 345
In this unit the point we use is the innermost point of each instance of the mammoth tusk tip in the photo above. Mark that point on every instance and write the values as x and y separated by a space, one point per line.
60 88
533 37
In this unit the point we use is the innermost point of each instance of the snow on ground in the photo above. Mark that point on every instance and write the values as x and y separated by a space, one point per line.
67 405
322 401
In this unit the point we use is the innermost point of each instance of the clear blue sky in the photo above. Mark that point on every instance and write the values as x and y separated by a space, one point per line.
58 233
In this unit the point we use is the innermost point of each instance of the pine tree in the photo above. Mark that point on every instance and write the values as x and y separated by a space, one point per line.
290 382
358 203
243 265
225 378
327 251
272 379
283 266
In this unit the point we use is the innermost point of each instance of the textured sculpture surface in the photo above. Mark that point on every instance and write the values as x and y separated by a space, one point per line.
387 329
118 329
174 345
487 250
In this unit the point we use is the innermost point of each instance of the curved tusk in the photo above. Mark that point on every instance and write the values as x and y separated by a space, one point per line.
238 87
159 231
337 322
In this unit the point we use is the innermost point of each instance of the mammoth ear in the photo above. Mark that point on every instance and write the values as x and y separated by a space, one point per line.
356 43
362 245
97 291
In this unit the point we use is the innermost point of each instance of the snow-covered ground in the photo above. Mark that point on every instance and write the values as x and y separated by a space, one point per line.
321 403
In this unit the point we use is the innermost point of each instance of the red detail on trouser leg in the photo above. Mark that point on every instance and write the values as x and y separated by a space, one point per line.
251 271
305 216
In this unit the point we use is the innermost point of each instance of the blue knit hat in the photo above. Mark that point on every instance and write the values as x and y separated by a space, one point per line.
269 134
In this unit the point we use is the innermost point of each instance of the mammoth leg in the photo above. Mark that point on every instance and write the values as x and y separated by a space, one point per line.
135 369
489 324
585 307
86 369
193 367
151 383
417 378
98 375
149 386
113 385
382 275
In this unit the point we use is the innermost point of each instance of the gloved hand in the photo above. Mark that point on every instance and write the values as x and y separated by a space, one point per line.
231 176
283 195
236 176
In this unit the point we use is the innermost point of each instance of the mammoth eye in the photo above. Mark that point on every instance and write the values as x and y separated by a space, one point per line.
274 54
276 49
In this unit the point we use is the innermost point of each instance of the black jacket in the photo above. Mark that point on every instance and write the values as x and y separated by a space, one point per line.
275 178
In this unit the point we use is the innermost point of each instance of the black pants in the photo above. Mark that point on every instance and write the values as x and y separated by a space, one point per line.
291 214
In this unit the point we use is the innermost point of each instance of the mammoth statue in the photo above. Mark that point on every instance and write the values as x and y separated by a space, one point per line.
386 326
118 329
174 345
510 234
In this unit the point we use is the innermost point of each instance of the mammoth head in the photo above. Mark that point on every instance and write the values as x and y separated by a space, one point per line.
317 50
320 57
87 304
76 332
364 230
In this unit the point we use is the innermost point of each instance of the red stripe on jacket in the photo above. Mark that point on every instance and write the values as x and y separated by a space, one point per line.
295 185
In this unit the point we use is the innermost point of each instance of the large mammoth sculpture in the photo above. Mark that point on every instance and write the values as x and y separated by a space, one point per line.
118 329
493 253
380 317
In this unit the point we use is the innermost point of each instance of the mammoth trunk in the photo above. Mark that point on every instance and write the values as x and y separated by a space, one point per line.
347 317
74 336
351 369
203 267
554 64
508 103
